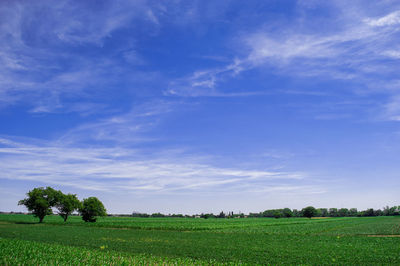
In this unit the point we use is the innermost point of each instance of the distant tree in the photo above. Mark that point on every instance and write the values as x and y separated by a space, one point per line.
343 212
323 212
207 215
157 215
222 215
369 212
268 213
66 204
386 211
39 201
178 215
296 213
287 212
138 214
317 213
277 214
255 215
390 211
91 208
394 210
333 212
353 212
309 212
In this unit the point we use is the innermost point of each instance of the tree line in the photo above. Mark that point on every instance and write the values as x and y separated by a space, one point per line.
309 212
325 212
41 201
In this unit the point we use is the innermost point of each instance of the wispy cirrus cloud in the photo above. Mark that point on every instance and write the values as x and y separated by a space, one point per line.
40 44
119 169
126 127
360 50
387 20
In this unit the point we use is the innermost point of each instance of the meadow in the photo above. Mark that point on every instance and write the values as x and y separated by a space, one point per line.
188 241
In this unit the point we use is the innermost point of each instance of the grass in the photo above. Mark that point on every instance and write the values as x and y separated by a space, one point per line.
211 241
22 252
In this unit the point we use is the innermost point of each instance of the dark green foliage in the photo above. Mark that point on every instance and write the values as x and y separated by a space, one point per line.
287 212
284 213
323 212
309 212
296 213
179 215
333 212
39 201
353 212
278 213
91 208
207 215
369 212
390 211
138 214
67 204
157 214
343 212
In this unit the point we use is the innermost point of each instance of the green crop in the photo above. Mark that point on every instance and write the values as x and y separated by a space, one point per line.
366 240
20 252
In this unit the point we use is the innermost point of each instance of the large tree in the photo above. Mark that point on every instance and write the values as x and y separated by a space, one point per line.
67 204
91 208
39 201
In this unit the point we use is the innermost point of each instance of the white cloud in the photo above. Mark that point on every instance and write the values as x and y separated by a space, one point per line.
38 64
127 127
264 47
119 169
392 109
395 54
355 48
204 82
388 20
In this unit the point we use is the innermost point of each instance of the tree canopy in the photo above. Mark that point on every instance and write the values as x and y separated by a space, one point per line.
39 201
91 208
67 204
309 211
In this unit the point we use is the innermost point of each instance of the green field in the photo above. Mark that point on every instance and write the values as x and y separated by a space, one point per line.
112 240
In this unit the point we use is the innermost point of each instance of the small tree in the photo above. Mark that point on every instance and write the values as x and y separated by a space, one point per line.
90 208
39 201
67 204
309 212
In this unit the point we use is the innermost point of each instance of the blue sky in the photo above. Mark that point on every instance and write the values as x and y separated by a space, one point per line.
201 106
